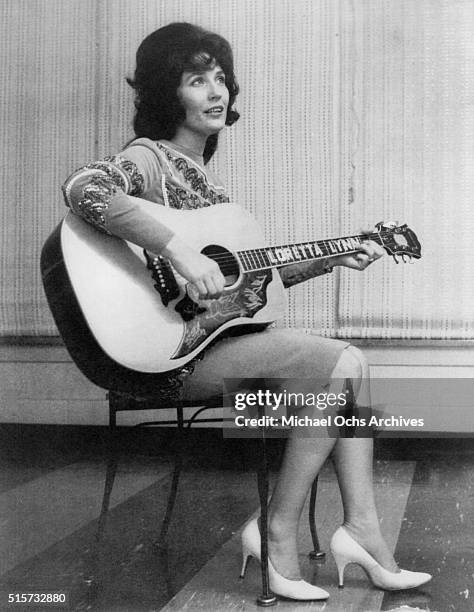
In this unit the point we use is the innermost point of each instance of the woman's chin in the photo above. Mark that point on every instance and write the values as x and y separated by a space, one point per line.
215 130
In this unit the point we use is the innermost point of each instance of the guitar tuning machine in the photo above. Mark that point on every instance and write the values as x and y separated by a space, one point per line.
406 257
387 224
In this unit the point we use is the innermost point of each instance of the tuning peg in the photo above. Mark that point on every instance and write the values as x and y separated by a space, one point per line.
395 259
391 224
404 257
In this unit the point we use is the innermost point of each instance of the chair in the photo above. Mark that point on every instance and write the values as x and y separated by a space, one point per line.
131 390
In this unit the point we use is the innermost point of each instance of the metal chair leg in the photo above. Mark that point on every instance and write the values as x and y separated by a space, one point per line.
316 553
267 598
108 486
178 466
112 462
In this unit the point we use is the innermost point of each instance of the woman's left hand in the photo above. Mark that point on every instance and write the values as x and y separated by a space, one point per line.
369 252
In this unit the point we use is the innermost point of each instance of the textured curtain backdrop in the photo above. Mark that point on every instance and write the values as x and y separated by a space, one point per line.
47 106
352 112
407 142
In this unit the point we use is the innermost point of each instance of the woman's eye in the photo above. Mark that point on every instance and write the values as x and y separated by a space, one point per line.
198 81
221 79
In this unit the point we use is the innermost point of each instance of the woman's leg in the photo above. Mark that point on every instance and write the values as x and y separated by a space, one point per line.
353 461
303 459
279 354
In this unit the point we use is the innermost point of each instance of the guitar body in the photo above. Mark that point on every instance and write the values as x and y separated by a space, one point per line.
125 312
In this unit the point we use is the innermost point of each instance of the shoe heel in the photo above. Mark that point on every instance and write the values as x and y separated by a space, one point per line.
346 550
246 556
341 563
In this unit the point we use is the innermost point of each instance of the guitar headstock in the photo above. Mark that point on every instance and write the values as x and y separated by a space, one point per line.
399 241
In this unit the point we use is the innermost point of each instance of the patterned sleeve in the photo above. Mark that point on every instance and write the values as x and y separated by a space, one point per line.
89 190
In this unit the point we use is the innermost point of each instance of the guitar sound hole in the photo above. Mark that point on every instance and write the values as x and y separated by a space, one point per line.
226 260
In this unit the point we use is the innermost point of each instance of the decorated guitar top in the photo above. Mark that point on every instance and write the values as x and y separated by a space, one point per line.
139 308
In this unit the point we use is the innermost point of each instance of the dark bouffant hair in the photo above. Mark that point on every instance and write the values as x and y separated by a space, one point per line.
161 60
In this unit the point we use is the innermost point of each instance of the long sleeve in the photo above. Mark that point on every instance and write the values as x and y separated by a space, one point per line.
99 193
300 272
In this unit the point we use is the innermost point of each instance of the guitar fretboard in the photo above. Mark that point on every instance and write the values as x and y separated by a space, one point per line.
276 256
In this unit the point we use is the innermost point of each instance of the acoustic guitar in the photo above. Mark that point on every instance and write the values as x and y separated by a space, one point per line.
140 311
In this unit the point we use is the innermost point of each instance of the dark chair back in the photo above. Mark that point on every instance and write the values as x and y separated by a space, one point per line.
81 344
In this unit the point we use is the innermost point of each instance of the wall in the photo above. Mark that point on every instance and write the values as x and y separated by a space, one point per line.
353 111
408 69
40 384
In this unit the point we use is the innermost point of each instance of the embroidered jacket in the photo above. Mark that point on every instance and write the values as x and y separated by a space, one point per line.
155 171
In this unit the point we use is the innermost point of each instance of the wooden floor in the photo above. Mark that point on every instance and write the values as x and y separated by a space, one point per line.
50 498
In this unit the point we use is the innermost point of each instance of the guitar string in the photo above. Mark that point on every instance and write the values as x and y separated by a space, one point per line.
321 243
228 264
227 261
262 251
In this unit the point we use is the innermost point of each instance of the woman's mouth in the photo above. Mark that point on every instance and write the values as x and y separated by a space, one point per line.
215 110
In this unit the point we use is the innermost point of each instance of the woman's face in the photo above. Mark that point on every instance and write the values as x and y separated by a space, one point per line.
205 98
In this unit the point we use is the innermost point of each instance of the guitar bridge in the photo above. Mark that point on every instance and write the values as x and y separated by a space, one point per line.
162 274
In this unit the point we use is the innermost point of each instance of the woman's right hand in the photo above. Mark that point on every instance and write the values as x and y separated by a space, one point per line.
202 272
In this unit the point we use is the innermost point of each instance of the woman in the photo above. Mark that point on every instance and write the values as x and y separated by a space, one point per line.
185 91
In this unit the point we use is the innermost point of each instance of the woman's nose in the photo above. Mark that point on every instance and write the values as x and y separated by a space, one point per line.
214 92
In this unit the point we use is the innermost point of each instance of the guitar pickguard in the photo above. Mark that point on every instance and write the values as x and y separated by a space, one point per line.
245 301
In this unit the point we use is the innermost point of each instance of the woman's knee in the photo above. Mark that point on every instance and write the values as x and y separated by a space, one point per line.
351 364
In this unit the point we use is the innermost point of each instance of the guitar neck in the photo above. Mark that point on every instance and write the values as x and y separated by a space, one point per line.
277 256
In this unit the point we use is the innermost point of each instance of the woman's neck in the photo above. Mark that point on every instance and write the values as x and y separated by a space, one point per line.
190 141
182 150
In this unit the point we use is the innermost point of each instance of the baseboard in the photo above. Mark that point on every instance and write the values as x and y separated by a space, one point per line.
41 385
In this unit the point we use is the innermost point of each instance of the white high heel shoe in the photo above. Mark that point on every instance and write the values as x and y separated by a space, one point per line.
292 589
346 550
